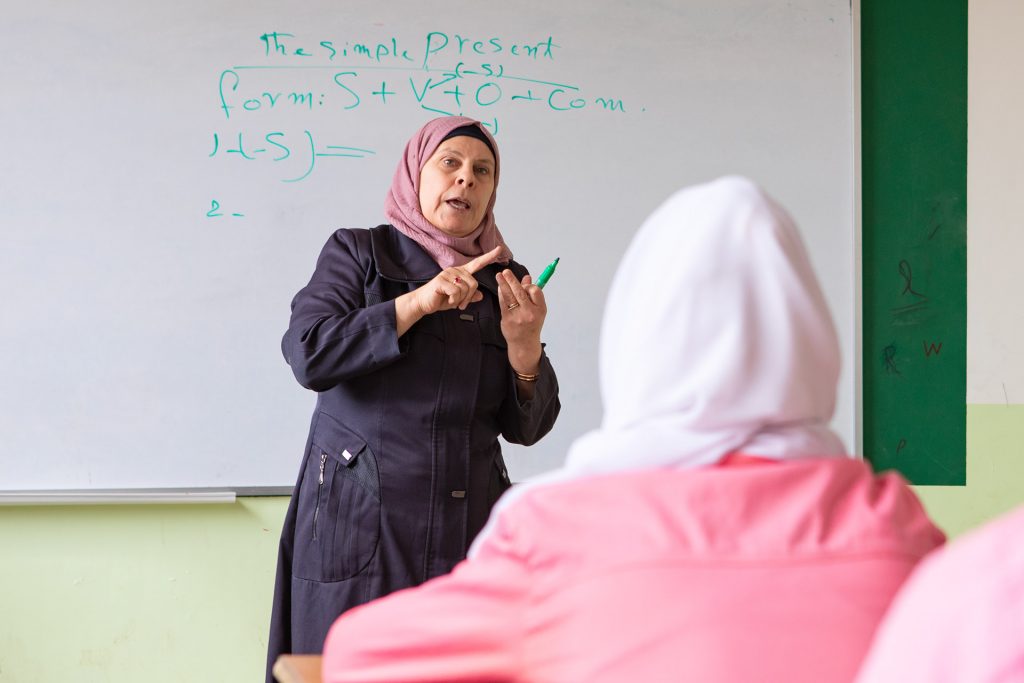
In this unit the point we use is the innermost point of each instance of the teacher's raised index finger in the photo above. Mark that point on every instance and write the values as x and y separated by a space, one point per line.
483 260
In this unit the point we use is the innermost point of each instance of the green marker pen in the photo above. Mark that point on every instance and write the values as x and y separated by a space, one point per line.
546 275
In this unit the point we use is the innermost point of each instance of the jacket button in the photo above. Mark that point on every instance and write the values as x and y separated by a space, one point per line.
458 494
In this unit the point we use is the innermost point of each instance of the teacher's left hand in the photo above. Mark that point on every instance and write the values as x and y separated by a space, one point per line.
523 310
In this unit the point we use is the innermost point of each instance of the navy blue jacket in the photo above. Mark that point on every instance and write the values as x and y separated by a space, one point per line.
402 464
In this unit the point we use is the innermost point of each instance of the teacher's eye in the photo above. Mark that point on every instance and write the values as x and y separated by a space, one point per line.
449 162
483 170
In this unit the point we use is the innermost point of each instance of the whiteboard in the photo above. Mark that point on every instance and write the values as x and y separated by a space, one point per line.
172 169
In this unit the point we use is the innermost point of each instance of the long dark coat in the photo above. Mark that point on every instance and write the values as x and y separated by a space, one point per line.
402 464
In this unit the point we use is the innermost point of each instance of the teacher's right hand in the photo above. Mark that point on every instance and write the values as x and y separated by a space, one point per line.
453 287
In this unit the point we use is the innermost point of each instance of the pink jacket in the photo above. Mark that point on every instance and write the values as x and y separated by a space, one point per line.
960 617
752 572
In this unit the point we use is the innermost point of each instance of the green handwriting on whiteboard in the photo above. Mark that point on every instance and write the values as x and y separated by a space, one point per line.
215 211
436 43
279 146
445 74
442 71
447 91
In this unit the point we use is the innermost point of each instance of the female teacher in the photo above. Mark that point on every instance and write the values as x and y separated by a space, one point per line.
422 339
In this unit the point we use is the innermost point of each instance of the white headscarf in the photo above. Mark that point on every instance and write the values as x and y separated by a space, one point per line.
716 339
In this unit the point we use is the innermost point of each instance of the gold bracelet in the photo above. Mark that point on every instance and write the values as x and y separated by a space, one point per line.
522 376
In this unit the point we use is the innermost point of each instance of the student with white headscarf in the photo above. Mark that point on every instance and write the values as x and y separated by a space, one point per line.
712 528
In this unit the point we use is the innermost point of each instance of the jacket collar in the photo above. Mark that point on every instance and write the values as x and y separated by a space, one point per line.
401 259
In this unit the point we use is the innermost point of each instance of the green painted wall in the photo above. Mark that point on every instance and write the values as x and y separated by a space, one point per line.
995 471
137 593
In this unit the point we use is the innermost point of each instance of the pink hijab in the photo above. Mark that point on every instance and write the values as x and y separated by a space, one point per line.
402 205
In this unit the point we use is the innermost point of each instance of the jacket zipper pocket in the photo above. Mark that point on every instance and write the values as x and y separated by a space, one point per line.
319 490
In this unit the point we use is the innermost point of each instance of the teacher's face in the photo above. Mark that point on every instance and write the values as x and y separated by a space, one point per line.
456 185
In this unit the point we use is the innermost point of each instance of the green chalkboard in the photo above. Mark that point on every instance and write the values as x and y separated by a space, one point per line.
914 246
